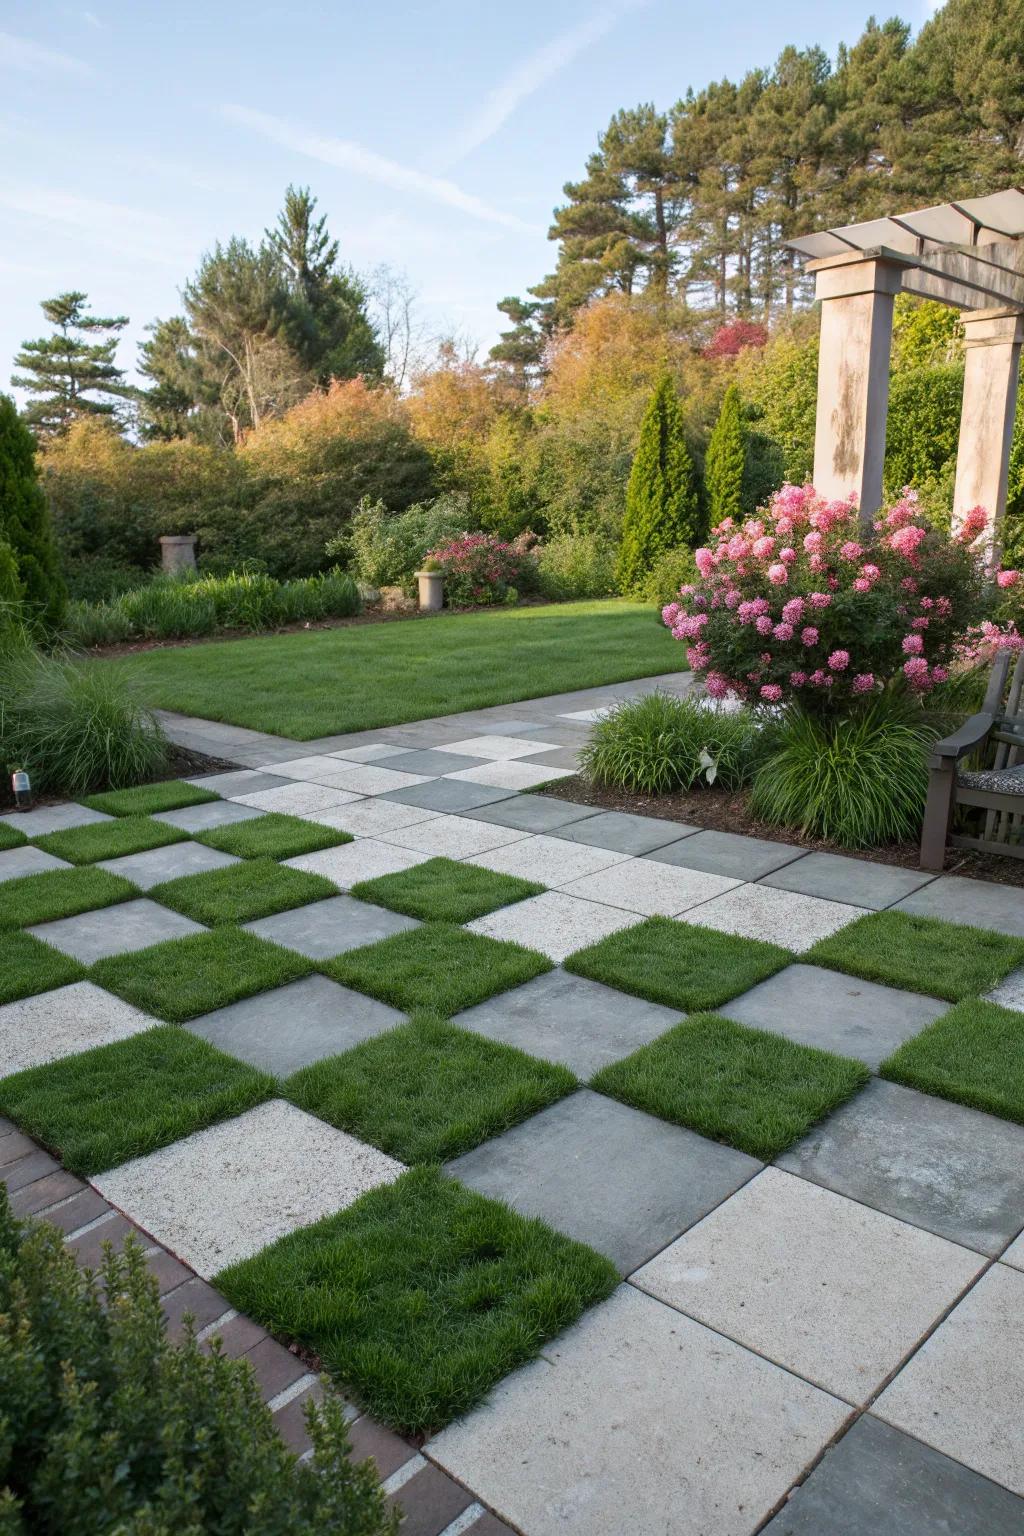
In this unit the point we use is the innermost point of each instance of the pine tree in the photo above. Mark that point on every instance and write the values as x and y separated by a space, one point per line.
70 374
724 464
662 505
25 521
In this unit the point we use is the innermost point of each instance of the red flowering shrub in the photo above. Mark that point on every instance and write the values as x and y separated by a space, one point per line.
479 569
801 604
729 340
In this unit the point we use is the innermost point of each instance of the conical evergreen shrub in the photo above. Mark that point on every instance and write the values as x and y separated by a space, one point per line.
25 521
726 458
662 501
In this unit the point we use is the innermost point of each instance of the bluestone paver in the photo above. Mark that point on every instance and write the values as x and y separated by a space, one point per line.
53 818
213 813
639 1419
570 1019
288 1028
452 795
836 1012
963 1392
16 862
156 865
430 761
535 813
828 1288
729 853
606 1174
555 924
624 833
63 1022
330 927
878 1481
115 930
977 902
952 1170
859 882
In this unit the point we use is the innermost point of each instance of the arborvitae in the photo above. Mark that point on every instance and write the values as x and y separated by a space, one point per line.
662 504
25 521
724 464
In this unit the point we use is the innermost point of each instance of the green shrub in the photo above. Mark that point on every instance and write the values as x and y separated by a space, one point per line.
12 593
110 1428
725 461
662 503
25 521
96 579
576 566
657 744
858 779
76 726
667 575
385 549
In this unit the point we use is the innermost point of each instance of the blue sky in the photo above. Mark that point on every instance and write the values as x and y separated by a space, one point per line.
437 135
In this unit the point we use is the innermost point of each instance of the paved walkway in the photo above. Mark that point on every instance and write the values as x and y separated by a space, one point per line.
829 1343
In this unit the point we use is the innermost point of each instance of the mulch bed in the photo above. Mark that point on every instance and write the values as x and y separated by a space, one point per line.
724 810
181 764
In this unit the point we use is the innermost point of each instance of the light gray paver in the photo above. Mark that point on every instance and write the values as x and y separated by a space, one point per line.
879 1482
16 862
1010 991
310 769
213 813
799 1274
370 752
241 781
952 1170
52 818
836 1012
963 1392
497 748
551 860
859 882
155 865
1014 1255
349 863
778 917
624 833
606 1174
729 853
330 927
287 1029
638 1419
453 795
62 1022
370 818
297 799
535 813
977 902
224 1193
130 925
453 837
372 779
655 890
555 924
513 774
570 1019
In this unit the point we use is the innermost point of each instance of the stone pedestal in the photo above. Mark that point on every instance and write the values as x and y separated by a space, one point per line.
431 591
857 297
178 551
992 342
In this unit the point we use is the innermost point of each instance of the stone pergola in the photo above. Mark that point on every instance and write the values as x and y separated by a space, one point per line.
967 254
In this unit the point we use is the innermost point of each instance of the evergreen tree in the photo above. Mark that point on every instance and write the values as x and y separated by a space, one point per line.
662 504
725 461
12 593
25 521
520 352
171 408
70 374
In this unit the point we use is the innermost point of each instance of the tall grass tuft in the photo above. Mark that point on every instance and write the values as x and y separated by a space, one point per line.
858 779
76 726
657 744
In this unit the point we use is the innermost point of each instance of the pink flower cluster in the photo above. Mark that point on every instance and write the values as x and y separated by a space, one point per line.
805 601
477 568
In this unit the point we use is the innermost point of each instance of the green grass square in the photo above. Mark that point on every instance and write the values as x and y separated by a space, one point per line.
438 966
421 1295
120 1101
148 799
752 1089
183 978
60 893
443 891
428 1090
110 839
11 837
272 836
30 966
974 1055
679 964
239 893
920 954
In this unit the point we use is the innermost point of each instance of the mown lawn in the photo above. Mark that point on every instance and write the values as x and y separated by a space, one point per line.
327 681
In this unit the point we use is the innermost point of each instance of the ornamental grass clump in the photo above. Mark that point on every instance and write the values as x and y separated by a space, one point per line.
658 744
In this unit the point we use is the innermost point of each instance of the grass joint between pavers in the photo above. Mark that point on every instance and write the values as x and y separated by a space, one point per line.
185 978
974 1055
920 954
445 891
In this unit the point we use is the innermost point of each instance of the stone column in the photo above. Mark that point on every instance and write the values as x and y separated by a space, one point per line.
992 341
857 296
178 551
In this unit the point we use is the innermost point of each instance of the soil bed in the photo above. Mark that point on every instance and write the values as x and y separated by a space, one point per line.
181 764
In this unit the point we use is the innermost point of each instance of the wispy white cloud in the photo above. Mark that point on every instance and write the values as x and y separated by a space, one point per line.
21 53
93 20
116 227
347 155
541 66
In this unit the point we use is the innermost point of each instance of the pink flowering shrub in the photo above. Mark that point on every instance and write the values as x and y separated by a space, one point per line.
479 569
802 604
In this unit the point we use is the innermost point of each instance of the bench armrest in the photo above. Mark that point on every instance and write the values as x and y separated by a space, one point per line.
970 735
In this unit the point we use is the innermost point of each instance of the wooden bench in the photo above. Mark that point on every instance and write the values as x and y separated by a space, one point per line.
998 790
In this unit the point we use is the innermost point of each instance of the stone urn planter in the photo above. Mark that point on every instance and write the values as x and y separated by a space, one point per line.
431 590
178 551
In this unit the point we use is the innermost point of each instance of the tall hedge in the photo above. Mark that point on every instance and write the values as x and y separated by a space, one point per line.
25 521
725 461
662 502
